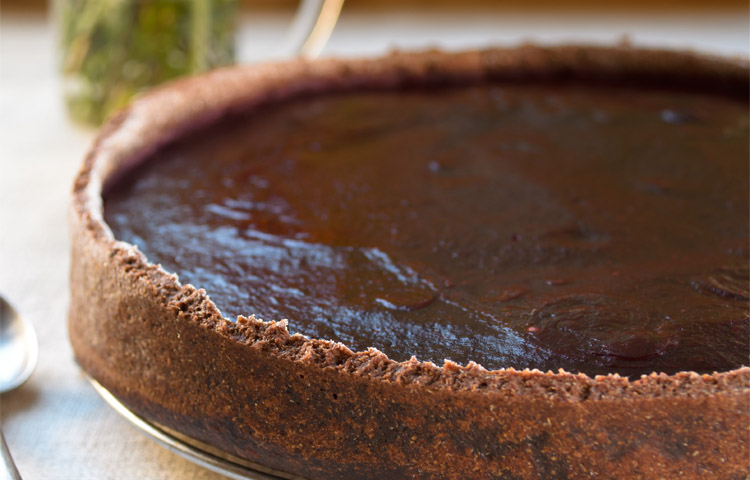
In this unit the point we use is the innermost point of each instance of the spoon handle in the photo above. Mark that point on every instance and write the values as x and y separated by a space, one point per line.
9 466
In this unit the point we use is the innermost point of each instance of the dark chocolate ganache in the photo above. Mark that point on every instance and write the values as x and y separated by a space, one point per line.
594 229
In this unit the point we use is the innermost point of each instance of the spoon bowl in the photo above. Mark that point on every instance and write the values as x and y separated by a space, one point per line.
18 348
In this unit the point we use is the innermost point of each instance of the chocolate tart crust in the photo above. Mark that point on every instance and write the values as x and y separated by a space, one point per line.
315 408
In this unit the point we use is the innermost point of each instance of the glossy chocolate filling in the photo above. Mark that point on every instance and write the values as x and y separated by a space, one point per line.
595 229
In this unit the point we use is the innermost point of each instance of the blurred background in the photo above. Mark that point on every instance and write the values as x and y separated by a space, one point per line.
108 50
56 425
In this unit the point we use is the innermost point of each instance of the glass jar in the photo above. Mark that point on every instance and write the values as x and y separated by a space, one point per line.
113 49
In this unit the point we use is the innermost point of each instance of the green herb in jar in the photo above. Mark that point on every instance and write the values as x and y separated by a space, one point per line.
113 49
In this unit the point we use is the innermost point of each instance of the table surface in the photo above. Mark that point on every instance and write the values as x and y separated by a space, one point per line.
56 425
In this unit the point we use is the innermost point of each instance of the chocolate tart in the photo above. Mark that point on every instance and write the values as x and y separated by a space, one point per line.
316 408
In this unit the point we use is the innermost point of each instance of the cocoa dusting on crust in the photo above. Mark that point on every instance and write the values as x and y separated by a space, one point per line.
316 408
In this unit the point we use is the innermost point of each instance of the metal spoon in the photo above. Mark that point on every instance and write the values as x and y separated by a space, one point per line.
19 350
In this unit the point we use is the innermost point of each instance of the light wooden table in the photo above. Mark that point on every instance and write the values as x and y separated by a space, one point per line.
56 426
